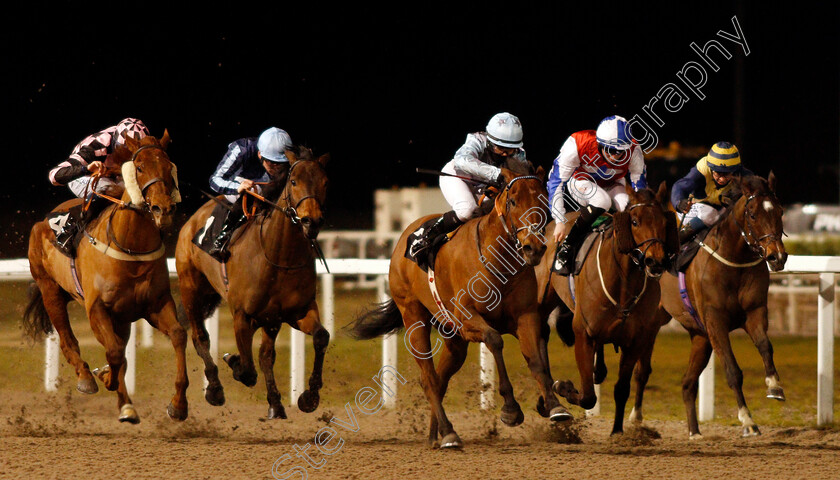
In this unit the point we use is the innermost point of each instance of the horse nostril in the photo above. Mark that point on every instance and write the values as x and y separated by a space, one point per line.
156 210
650 261
772 258
306 220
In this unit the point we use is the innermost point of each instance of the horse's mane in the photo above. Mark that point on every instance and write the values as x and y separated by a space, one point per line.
753 183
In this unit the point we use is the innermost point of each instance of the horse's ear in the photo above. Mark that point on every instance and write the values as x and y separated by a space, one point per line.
771 181
623 233
662 194
290 154
540 173
323 159
131 143
165 140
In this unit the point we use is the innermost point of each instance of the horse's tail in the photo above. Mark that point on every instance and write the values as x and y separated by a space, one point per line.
384 318
36 321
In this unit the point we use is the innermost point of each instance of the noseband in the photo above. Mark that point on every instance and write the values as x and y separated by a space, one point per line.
151 182
637 254
291 207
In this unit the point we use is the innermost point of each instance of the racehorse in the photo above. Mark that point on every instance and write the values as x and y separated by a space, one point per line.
614 299
727 284
491 258
269 280
119 274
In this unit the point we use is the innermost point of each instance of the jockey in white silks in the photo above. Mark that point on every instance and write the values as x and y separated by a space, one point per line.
589 174
480 159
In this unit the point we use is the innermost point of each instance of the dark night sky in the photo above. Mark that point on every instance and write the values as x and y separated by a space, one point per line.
386 91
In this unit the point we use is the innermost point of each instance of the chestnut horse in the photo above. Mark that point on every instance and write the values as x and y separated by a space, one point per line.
489 257
727 283
614 299
268 280
121 274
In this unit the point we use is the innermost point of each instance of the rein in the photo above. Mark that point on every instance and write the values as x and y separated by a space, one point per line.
291 212
755 245
511 234
122 253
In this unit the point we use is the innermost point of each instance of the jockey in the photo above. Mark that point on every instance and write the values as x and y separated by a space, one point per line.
697 196
589 172
247 161
481 158
88 157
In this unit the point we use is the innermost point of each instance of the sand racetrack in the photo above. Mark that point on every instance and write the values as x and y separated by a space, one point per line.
68 435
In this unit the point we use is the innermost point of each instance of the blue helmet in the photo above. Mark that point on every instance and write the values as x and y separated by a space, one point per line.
613 134
273 143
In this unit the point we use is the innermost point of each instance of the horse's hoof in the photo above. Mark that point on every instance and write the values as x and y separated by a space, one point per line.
541 407
215 396
695 436
776 393
174 413
101 372
636 415
565 389
231 360
276 412
452 441
588 403
750 431
87 385
129 414
307 401
514 418
560 414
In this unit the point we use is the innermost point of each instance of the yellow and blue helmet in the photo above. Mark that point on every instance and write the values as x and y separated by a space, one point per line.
724 158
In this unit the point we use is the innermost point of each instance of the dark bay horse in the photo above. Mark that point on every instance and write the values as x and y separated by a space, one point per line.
122 274
615 295
485 270
269 280
727 283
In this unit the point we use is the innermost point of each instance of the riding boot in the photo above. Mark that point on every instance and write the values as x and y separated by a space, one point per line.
690 229
64 238
445 224
565 259
233 220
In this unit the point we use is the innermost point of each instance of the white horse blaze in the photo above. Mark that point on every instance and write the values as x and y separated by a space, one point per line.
768 205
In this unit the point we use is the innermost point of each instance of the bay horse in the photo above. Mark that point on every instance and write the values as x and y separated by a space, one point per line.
491 258
615 296
727 284
120 274
268 280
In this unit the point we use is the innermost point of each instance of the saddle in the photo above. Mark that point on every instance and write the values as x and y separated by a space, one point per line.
425 258
688 251
59 220
601 224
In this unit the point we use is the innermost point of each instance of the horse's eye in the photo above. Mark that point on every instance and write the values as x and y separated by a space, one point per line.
635 222
294 183
139 170
512 202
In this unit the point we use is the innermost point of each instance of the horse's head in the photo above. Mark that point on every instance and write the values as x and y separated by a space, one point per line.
523 209
151 180
306 190
647 230
758 214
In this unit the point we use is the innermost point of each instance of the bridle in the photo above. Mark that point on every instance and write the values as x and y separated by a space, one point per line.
749 220
637 254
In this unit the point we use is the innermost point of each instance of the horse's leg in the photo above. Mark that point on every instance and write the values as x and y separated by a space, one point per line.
734 376
701 351
585 348
267 357
451 360
242 364
621 393
194 290
417 319
310 324
114 338
600 365
643 366
166 321
55 302
756 327
534 349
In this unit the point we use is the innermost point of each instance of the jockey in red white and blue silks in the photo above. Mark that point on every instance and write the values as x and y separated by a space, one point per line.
589 174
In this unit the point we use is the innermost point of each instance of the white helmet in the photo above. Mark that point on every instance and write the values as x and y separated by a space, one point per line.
613 134
505 130
273 143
